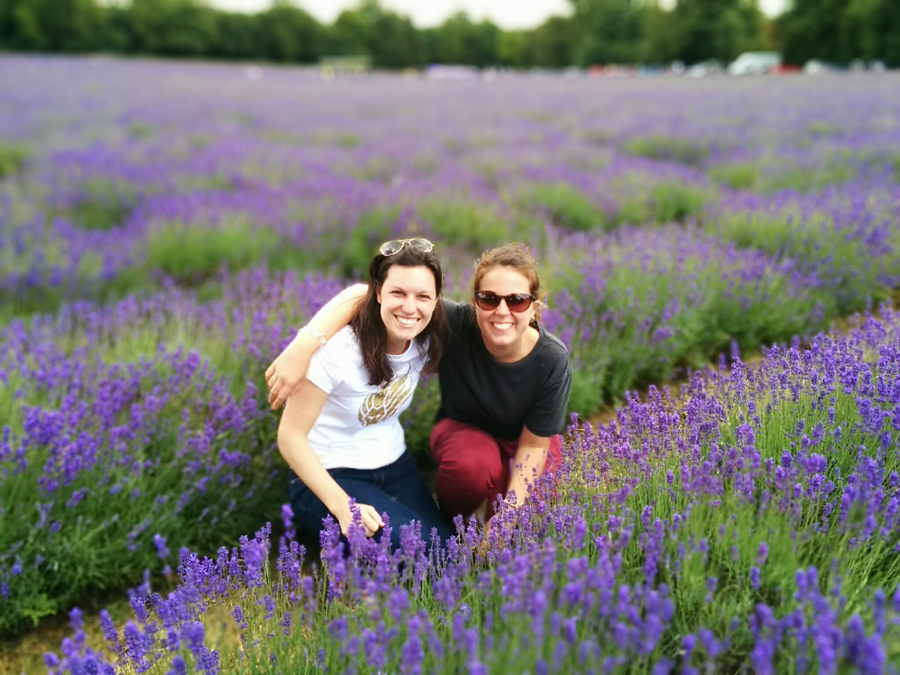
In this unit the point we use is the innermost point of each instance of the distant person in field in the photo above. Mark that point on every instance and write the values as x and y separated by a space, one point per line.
340 431
504 384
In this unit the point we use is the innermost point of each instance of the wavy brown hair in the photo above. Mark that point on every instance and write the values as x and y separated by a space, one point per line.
519 258
369 328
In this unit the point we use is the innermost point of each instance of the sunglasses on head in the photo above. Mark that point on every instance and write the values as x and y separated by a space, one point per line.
516 302
394 246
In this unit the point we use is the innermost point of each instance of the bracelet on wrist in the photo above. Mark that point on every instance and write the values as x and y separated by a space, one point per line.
316 333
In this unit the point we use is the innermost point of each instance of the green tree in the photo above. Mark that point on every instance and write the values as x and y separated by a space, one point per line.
841 30
550 44
288 33
238 36
658 39
390 40
189 30
51 25
512 48
395 42
117 30
148 23
888 18
349 36
459 40
606 31
717 29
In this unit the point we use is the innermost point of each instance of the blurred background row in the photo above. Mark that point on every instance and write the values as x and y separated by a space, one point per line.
647 34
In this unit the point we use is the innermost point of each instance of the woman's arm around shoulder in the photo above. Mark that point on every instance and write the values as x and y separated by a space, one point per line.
287 371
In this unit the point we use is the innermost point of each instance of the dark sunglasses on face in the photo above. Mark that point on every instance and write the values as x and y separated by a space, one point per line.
394 246
516 302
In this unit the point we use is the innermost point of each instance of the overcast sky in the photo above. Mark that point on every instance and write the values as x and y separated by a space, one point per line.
424 13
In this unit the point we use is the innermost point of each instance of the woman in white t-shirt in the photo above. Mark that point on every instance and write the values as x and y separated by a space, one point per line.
340 431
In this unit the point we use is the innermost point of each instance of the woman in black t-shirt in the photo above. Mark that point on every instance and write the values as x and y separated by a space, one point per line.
504 384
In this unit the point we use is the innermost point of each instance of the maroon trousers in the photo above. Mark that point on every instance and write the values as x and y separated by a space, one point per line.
474 466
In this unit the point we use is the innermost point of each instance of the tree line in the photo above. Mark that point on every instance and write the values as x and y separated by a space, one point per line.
597 32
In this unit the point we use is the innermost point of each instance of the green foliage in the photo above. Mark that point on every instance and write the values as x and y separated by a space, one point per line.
839 31
471 225
425 164
568 207
376 168
347 139
634 211
192 253
289 33
670 148
352 253
102 206
52 25
418 420
173 27
388 39
587 393
550 44
717 29
98 214
598 32
654 315
822 129
678 202
665 202
12 159
804 179
88 520
736 176
608 31
817 244
459 40
140 130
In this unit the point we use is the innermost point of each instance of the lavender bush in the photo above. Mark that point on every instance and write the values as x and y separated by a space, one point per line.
119 192
825 236
160 243
749 522
635 307
116 434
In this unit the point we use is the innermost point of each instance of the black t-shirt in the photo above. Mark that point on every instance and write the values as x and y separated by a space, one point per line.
501 398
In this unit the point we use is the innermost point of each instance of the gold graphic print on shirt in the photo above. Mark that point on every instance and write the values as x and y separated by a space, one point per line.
385 402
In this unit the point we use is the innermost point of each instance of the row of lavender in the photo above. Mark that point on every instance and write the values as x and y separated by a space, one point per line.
200 167
122 194
140 419
634 305
149 416
750 522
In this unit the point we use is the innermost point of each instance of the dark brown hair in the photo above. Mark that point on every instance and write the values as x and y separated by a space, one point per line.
519 258
369 327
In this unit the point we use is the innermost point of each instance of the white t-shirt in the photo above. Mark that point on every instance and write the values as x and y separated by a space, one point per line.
358 427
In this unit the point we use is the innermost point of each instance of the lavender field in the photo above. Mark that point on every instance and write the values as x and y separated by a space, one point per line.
165 228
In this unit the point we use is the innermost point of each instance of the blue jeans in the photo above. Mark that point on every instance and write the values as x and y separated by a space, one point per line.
395 489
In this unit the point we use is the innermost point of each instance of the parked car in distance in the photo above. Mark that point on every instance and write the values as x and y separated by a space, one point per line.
785 69
704 68
754 63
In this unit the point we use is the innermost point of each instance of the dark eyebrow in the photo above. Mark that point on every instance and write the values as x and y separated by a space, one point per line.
403 290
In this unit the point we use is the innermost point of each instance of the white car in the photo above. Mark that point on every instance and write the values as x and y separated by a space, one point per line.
754 63
705 68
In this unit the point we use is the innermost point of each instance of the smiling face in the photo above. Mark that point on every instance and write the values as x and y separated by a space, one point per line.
407 297
504 332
